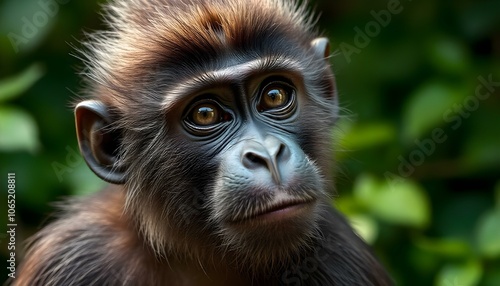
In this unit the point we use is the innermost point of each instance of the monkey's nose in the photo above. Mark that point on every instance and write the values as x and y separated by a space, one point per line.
269 154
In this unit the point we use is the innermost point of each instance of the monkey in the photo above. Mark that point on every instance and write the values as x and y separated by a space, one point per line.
210 120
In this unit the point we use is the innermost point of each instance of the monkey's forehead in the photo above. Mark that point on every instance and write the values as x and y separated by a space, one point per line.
230 74
146 33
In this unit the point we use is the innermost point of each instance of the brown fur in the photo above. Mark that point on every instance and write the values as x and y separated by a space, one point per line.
164 33
152 230
99 233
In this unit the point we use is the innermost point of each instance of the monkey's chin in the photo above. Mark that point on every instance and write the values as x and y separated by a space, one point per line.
270 238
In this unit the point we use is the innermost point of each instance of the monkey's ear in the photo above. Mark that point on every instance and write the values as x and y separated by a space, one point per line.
98 143
321 46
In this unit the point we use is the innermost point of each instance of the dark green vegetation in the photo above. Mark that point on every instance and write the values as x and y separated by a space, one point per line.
418 145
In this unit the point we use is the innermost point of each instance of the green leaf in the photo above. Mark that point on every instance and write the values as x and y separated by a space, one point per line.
366 189
400 202
449 55
407 204
425 109
365 227
460 274
488 234
361 136
18 130
346 204
18 84
449 247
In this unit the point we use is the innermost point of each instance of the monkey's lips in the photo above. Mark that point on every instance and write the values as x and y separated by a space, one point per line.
278 212
283 211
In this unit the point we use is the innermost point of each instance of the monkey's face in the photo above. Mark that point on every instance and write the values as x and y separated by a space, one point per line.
266 189
239 151
226 138
256 153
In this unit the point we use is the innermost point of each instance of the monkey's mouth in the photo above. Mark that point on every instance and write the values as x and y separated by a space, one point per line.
276 212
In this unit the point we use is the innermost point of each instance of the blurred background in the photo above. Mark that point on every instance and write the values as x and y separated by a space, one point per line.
418 144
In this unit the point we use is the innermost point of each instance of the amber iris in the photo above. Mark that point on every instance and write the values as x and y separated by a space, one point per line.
205 114
274 97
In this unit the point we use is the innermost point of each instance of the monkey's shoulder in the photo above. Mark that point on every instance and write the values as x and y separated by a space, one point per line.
341 250
91 243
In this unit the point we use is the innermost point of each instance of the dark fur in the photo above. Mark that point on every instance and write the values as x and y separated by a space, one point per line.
98 245
161 227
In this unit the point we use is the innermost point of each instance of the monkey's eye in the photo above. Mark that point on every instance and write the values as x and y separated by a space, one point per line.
206 114
276 96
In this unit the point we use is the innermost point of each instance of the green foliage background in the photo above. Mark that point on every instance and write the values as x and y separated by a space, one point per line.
418 144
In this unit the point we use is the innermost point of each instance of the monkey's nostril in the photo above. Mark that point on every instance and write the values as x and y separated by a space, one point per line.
281 151
255 159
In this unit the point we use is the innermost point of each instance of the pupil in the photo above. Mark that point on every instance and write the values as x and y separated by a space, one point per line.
275 97
206 112
274 94
205 115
